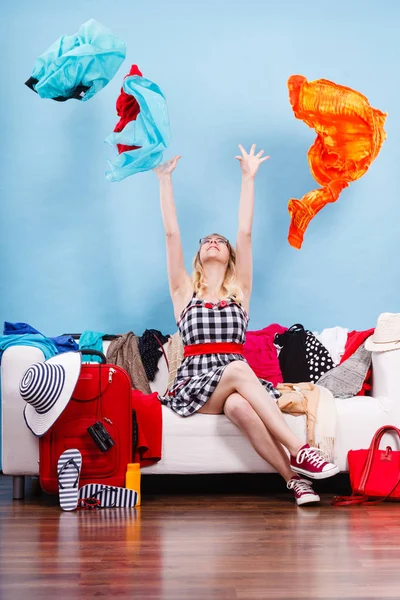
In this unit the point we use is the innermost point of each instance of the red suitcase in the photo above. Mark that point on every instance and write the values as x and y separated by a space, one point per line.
103 393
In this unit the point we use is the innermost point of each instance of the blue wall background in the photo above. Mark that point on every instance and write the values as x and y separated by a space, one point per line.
78 252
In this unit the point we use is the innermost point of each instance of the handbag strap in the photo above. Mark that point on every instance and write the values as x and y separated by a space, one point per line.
281 338
297 328
348 500
357 499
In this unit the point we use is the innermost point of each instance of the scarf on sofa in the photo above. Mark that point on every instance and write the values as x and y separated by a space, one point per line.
318 406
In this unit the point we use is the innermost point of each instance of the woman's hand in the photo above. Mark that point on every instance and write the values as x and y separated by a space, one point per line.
249 163
165 170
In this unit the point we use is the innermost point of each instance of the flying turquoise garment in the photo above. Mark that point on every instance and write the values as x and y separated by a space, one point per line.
78 66
150 130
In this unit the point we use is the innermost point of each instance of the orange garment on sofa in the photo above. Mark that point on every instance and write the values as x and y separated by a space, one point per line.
349 137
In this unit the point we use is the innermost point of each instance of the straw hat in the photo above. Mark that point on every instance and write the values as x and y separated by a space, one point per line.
47 388
387 334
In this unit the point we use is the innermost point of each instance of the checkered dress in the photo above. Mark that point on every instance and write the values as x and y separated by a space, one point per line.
198 376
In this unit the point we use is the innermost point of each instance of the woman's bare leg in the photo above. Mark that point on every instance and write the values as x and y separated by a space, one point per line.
239 411
239 377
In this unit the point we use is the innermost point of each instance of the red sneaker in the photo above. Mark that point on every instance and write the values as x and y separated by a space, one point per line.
311 463
303 492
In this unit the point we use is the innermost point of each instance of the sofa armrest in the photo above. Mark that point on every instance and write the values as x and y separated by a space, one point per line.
386 383
386 374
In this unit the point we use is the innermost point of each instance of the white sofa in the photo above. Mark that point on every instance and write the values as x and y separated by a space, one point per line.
202 443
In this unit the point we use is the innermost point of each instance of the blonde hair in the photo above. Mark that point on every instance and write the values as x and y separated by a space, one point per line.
230 286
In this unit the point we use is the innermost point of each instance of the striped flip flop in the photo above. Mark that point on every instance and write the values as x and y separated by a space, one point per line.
69 469
108 496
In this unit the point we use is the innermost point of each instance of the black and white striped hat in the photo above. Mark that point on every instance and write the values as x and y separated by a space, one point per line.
47 388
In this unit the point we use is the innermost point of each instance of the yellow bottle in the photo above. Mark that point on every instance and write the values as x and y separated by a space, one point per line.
132 479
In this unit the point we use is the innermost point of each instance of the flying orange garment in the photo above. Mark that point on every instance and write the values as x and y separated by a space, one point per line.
349 136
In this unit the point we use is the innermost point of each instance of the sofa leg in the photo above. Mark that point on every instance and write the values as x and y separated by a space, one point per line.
18 487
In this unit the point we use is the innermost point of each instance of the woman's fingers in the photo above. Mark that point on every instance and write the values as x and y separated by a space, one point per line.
260 154
264 159
172 162
252 149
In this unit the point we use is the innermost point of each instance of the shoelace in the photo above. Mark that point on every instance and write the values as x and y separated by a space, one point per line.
313 455
300 486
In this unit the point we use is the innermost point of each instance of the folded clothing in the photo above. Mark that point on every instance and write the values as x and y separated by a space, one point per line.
148 446
175 356
36 340
334 339
318 358
347 379
300 399
354 340
151 348
91 340
63 343
318 405
124 352
261 353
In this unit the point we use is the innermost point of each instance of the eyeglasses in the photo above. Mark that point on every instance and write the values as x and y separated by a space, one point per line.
90 503
218 241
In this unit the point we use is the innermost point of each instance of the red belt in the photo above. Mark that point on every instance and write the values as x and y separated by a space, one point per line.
216 348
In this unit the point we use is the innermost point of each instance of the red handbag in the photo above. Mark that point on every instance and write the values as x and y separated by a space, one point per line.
374 473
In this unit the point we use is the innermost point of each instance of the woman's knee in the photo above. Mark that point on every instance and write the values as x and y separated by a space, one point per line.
238 371
238 410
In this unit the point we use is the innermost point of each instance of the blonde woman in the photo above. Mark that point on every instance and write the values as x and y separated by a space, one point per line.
211 310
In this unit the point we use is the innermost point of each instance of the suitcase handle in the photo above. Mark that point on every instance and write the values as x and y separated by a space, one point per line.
96 353
100 391
99 395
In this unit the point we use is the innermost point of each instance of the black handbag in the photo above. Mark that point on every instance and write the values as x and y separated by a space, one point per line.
292 357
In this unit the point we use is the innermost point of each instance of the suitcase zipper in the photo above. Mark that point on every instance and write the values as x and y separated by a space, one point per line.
110 374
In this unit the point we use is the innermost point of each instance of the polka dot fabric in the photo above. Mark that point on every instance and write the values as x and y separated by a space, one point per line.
318 358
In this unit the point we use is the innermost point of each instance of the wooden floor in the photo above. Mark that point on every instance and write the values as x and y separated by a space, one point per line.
205 547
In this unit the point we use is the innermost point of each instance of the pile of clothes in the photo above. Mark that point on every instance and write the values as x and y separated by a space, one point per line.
335 359
138 355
